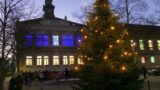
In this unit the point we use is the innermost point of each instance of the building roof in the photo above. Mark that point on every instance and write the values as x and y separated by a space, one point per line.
149 31
56 19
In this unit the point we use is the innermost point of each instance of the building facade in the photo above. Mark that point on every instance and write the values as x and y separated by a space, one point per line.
47 43
146 40
50 43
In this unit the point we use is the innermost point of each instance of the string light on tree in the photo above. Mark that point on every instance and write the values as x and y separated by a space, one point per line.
110 46
107 44
96 18
96 31
105 57
112 28
123 68
85 37
76 68
81 30
118 41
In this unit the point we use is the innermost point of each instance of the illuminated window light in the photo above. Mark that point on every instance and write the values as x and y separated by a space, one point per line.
28 40
39 60
67 40
80 62
141 44
71 60
46 60
28 60
143 60
55 41
65 60
150 42
55 60
158 42
153 59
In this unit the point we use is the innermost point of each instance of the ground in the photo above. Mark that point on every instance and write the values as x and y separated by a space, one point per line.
154 82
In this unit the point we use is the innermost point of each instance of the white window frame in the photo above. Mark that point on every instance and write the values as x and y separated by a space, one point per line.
71 60
46 60
55 43
39 60
56 60
65 60
29 61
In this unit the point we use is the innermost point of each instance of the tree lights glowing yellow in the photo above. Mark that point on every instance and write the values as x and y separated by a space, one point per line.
112 27
105 57
110 46
106 49
85 37
123 68
81 30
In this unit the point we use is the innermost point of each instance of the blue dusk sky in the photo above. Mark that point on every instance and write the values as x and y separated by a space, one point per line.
64 7
70 7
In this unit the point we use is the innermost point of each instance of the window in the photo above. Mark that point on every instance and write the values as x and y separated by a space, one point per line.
71 60
150 44
55 60
67 40
143 60
65 60
45 40
153 59
79 40
80 62
28 60
46 60
158 42
42 40
55 39
141 44
28 40
39 60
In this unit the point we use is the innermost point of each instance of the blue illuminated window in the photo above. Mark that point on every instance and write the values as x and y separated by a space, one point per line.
55 40
79 40
39 40
45 40
28 40
67 40
42 40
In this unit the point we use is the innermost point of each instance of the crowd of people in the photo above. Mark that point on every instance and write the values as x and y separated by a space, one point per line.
16 82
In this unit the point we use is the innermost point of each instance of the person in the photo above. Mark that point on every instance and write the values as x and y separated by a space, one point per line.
12 84
19 82
66 73
41 77
58 76
144 71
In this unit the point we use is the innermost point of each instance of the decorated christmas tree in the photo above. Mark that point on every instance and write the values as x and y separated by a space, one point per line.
109 59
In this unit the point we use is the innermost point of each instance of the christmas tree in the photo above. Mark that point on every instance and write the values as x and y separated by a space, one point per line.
109 59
